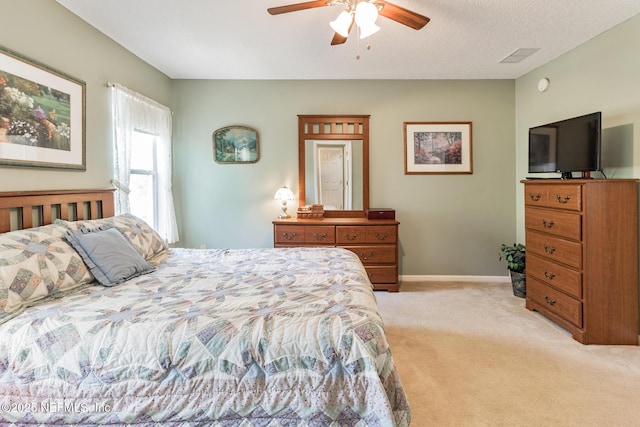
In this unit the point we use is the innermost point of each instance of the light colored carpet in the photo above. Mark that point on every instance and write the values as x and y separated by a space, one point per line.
471 354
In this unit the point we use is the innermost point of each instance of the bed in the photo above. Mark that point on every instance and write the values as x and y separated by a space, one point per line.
245 337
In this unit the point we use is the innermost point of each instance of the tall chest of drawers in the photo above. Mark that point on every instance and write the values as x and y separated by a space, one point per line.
374 241
582 256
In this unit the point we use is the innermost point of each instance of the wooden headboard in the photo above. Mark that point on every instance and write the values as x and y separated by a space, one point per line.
26 209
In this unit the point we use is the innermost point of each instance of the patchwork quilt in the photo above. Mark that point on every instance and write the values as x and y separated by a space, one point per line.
253 337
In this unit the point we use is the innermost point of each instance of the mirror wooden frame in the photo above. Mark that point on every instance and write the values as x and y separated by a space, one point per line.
334 127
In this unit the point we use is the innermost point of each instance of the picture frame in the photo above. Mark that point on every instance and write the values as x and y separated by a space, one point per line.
438 148
236 144
42 115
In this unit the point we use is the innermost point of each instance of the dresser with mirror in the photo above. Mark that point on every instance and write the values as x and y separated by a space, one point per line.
333 171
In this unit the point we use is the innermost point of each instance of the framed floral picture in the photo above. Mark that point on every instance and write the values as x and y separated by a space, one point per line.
42 115
437 148
236 144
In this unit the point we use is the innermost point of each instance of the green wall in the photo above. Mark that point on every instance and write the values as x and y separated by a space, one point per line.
450 224
601 75
46 32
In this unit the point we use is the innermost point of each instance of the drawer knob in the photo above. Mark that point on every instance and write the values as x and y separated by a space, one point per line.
548 275
365 257
535 197
382 236
320 236
549 301
351 237
549 249
548 224
563 200
288 236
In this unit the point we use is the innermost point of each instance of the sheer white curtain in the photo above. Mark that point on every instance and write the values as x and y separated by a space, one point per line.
135 112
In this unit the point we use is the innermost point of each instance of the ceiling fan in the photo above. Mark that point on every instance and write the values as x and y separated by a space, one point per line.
343 24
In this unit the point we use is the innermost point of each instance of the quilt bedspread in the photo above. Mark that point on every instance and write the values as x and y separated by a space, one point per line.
253 337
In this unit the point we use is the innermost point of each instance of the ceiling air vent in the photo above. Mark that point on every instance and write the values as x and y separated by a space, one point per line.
519 55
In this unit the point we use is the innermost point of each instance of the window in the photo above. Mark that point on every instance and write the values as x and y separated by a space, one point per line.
142 160
143 178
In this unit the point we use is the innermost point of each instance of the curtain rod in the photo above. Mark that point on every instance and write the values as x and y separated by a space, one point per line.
139 95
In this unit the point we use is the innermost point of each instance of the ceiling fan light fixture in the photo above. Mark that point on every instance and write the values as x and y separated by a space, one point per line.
363 13
342 23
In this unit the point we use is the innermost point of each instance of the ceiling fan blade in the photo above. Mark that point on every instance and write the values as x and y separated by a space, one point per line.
340 39
296 7
403 16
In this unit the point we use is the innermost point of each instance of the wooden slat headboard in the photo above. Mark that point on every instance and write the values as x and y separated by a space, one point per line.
35 208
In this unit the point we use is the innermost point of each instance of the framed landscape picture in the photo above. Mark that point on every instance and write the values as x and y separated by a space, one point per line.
437 148
236 144
42 115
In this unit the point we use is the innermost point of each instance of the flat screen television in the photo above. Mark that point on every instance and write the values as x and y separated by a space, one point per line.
571 145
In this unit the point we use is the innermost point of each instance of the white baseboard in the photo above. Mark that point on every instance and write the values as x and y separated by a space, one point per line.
454 278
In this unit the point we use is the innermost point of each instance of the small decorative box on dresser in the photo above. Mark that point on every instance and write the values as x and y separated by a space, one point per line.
582 256
374 241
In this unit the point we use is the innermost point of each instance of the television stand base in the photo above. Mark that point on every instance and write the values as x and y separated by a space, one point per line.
566 175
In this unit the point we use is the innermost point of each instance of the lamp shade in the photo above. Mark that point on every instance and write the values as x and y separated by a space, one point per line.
342 23
283 194
366 15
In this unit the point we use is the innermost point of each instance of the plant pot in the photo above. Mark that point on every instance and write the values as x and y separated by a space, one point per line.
518 283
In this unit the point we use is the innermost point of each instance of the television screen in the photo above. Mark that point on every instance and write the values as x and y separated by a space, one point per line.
571 145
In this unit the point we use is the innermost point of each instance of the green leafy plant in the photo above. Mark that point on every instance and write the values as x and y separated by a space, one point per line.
514 255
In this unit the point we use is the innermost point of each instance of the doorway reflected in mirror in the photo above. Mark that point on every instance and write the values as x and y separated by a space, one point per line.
333 174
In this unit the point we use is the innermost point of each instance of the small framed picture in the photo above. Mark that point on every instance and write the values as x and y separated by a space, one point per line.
236 144
437 148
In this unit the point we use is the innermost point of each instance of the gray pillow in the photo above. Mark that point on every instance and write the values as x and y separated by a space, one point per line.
109 255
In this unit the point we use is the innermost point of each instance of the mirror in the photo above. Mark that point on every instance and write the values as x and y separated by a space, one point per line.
333 174
333 162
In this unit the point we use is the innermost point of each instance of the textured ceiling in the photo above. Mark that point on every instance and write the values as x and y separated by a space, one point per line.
238 39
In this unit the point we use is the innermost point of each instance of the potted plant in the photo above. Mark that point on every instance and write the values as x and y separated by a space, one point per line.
515 257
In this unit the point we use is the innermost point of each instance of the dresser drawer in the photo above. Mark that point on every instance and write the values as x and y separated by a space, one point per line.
288 234
382 274
366 234
564 224
381 254
567 196
536 195
555 249
556 275
300 234
351 234
555 301
320 234
381 234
